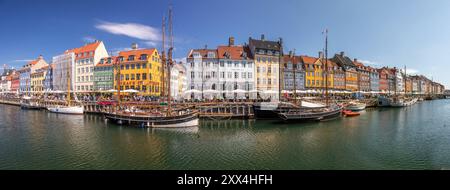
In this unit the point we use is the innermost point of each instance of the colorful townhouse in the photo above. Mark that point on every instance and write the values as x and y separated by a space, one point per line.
178 83
85 59
338 76
64 67
374 79
104 74
37 79
140 69
293 73
26 71
351 74
202 69
15 82
363 76
267 56
383 80
48 78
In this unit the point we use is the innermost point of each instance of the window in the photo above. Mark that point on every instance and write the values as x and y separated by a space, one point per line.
192 74
91 77
257 69
131 58
250 75
269 81
121 67
236 64
138 66
236 75
213 74
132 66
143 57
222 74
127 67
127 77
132 77
244 75
192 64
269 69
150 66
257 80
144 76
222 63
150 76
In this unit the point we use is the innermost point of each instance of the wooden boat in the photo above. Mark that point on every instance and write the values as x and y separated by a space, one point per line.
27 103
356 106
296 115
186 118
349 113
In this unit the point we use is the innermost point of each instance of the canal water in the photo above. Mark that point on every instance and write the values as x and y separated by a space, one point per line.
416 137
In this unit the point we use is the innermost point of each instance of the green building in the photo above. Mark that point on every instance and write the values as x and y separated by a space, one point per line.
104 74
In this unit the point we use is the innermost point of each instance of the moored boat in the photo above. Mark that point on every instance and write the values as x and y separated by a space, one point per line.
66 109
349 113
319 114
356 106
182 120
27 103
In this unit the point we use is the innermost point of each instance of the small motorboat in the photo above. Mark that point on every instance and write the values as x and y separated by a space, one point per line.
349 113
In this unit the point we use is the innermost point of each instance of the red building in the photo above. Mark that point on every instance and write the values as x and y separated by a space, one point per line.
15 81
384 82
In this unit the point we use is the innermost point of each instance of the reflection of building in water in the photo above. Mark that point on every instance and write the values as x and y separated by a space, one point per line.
226 123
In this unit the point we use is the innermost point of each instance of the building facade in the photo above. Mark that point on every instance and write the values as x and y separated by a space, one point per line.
104 74
267 56
202 69
48 78
374 79
26 71
140 69
64 67
85 59
351 74
293 73
178 83
363 76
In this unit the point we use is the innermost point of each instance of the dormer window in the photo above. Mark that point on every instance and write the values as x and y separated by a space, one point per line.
227 55
109 60
244 55
131 58
143 57
196 55
102 61
120 58
211 55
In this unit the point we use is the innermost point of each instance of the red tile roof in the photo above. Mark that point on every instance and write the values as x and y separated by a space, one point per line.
105 63
84 49
308 60
236 52
137 53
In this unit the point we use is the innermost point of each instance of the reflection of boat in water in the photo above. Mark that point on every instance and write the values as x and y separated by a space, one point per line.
185 130
27 103
356 106
315 114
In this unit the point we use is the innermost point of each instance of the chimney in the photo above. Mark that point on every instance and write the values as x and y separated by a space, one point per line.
134 46
342 53
355 60
262 37
320 54
231 41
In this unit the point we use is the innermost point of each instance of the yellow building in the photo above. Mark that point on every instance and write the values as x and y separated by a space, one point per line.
140 69
37 79
314 73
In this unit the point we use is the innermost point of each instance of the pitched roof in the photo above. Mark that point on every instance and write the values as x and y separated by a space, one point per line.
308 59
264 44
343 60
235 52
138 52
203 52
86 48
105 63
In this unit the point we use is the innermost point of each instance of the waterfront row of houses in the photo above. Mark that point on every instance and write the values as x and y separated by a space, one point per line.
257 69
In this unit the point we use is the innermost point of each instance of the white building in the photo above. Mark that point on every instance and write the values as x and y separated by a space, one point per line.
202 72
178 82
85 59
63 64
223 73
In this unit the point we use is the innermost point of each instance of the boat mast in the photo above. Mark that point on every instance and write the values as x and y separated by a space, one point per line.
404 78
326 66
68 86
163 61
118 64
170 62
294 67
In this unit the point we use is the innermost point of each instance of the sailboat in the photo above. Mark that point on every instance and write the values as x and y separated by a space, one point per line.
69 109
301 114
163 116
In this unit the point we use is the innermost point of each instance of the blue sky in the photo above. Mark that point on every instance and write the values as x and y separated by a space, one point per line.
415 33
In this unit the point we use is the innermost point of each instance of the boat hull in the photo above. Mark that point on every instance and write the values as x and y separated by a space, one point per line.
30 107
76 110
188 120
356 107
307 117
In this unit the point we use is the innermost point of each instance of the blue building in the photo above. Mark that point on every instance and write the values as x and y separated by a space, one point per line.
293 67
25 79
374 80
48 80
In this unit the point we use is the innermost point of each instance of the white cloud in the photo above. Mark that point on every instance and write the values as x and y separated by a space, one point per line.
149 34
410 71
150 43
115 51
22 60
367 62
